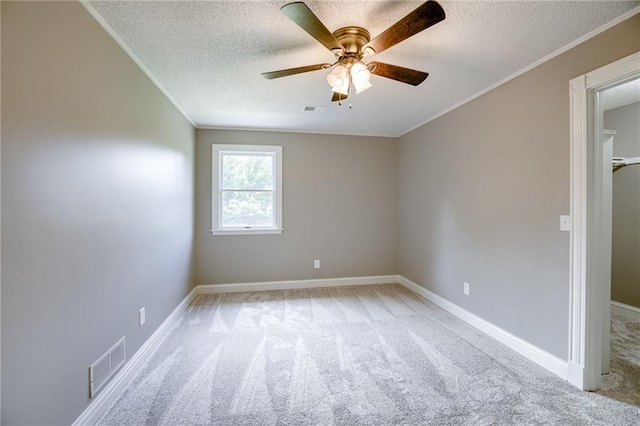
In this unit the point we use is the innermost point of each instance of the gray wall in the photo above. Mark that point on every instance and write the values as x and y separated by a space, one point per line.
0 218
625 267
481 190
97 207
340 206
97 204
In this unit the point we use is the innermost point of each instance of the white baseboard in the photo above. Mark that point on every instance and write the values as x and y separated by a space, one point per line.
296 284
107 396
630 312
539 356
576 375
111 391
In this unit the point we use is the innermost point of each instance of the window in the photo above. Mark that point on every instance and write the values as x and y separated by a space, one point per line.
246 189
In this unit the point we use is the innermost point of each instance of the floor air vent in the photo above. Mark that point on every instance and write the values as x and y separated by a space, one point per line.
101 371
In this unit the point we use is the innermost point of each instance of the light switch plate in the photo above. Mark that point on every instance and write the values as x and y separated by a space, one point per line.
142 316
565 223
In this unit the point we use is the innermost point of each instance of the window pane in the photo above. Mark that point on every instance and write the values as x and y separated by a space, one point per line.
247 208
247 171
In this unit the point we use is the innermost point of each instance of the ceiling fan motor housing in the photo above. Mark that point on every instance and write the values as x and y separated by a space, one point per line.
353 39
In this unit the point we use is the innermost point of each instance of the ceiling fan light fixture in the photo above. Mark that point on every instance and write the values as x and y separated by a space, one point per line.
338 79
343 90
362 87
360 74
352 43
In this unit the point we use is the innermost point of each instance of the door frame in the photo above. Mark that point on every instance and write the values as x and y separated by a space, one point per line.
587 259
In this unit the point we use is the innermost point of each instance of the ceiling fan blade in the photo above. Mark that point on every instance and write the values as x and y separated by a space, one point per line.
338 97
291 71
300 13
395 72
430 13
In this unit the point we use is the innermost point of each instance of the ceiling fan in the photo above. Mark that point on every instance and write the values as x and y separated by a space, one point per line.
351 44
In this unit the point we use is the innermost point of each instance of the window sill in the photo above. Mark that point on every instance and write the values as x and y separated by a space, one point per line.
247 232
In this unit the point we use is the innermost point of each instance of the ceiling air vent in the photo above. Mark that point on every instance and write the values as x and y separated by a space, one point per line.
315 109
105 367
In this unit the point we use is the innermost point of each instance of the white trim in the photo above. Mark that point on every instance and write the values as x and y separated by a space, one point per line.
109 29
612 74
505 80
529 67
217 153
300 131
522 347
575 373
297 284
113 389
631 313
587 306
604 157
119 382
0 225
577 325
253 231
247 148
533 353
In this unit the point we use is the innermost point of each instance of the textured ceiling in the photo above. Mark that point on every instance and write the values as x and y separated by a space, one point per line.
621 95
208 56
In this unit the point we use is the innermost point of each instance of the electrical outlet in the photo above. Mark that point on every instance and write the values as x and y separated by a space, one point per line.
466 288
316 264
142 316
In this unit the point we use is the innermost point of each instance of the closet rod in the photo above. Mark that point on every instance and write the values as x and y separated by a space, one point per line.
620 162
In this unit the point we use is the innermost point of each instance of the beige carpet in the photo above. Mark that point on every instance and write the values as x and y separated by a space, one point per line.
366 355
623 381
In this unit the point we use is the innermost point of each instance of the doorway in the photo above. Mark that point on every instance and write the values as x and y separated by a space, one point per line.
590 255
620 106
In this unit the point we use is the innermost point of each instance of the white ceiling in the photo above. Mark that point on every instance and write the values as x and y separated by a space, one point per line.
621 95
208 57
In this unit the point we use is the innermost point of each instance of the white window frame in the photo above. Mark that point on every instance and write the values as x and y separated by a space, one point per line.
216 193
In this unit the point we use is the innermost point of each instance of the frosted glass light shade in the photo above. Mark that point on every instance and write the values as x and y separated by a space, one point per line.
360 74
362 87
338 79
